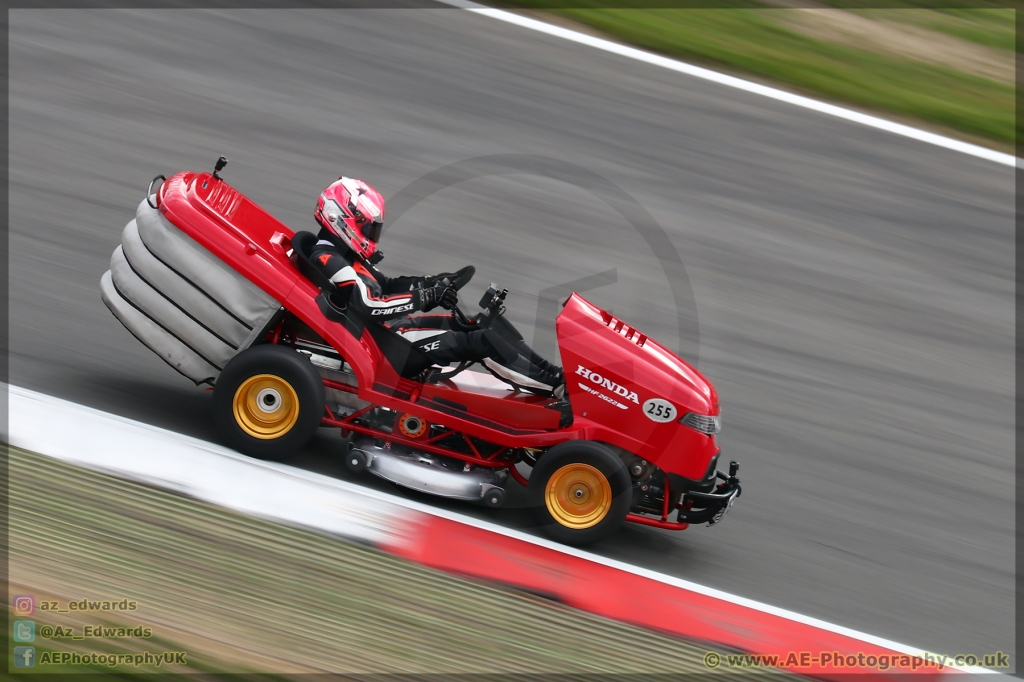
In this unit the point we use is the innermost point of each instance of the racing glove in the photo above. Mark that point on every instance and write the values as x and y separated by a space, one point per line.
444 296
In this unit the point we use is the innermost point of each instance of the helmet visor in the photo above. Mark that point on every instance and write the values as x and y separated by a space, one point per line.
372 230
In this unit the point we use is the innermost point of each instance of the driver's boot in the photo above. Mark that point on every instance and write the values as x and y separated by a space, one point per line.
544 364
551 373
525 375
512 336
535 359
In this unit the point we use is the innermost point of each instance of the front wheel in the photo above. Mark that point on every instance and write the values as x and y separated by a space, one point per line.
580 492
268 402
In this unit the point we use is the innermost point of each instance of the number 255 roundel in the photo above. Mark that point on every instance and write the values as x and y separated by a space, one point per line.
659 410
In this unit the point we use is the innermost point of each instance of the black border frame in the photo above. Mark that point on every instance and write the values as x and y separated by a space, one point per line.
342 4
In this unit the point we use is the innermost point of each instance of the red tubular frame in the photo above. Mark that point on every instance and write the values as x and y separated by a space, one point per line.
437 437
667 496
663 522
348 423
518 476
338 386
657 523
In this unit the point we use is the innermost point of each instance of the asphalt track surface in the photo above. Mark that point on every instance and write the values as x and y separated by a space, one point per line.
854 289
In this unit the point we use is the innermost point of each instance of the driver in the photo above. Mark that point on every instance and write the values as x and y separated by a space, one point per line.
351 214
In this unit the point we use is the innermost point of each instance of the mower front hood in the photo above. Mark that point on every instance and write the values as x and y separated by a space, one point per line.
604 356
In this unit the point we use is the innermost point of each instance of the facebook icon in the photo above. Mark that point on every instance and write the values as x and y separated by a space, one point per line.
24 656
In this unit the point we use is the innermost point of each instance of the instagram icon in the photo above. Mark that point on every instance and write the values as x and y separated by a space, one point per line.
24 604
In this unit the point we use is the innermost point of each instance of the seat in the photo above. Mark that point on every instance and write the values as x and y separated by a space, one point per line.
303 244
406 359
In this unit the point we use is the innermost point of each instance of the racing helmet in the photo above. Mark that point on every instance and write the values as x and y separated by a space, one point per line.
353 212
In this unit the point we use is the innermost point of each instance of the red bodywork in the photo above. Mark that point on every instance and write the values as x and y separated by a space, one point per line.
621 367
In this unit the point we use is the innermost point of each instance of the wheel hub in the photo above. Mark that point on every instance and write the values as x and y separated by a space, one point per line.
578 496
268 400
266 406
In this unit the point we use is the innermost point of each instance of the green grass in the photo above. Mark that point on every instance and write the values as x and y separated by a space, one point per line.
753 41
243 595
986 23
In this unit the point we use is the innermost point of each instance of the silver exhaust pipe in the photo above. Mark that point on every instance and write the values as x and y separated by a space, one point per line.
427 472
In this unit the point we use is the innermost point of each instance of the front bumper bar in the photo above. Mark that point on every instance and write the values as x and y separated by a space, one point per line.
697 507
711 507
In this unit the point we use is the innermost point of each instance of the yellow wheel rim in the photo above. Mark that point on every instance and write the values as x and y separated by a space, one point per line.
578 496
266 406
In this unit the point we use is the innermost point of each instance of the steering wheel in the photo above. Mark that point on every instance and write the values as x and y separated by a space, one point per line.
463 276
459 280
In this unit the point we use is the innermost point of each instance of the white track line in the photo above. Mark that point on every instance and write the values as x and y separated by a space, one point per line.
131 449
738 83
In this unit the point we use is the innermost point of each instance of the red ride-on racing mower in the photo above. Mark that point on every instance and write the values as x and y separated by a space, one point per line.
226 295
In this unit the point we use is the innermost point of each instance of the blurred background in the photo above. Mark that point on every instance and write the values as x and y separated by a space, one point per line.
853 290
946 65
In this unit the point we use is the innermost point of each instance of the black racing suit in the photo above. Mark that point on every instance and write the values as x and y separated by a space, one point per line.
395 302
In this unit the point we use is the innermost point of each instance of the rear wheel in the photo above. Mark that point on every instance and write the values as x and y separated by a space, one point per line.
580 492
268 402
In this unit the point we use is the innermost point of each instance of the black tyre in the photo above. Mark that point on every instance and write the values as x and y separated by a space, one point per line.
268 402
580 492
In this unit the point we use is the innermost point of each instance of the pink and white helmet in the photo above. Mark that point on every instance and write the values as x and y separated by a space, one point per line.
354 212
